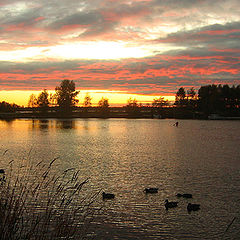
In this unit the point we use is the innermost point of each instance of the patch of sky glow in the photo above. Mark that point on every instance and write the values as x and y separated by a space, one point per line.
97 50
15 8
73 35
86 50
116 98
24 55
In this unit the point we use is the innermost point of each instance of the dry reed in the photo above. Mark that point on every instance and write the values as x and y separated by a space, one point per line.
36 203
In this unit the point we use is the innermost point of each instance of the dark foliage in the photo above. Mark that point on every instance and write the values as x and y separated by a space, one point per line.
219 99
7 107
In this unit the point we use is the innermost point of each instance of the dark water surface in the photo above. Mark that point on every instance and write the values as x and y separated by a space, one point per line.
124 156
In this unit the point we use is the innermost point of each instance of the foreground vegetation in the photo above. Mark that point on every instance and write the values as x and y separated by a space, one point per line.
37 203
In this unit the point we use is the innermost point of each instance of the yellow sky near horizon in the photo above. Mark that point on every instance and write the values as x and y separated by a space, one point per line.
115 98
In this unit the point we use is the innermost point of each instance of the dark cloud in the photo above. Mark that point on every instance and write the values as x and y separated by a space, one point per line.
218 35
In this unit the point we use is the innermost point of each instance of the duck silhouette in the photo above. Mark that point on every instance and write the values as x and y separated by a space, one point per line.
170 204
108 195
184 195
193 207
151 190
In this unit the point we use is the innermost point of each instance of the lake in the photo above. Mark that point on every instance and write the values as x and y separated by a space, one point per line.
125 156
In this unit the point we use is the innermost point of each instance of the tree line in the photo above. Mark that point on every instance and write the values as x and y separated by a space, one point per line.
65 97
219 99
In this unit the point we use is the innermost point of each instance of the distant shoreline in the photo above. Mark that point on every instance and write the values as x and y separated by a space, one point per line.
118 112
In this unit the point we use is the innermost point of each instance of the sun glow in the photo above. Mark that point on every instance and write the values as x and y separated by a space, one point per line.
97 50
116 98
85 50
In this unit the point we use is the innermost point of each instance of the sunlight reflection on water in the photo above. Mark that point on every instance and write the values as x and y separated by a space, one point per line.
124 156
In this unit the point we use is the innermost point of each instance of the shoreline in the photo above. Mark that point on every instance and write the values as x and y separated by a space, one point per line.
119 112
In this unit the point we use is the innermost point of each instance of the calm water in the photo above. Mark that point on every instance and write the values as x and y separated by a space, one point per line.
124 156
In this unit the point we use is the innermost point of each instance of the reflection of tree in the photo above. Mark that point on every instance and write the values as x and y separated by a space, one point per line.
65 124
66 95
40 124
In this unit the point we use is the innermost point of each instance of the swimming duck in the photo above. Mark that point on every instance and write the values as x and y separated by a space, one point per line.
2 171
193 207
185 195
170 204
108 195
151 190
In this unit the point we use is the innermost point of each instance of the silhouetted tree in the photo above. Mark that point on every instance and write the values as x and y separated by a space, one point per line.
103 106
160 102
42 100
180 97
191 98
7 107
132 107
103 103
32 102
132 103
66 95
219 99
191 94
87 101
52 99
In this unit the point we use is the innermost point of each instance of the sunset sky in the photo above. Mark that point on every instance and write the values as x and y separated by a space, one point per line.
140 49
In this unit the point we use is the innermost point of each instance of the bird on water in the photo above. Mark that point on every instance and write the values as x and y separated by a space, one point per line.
184 195
151 190
193 207
170 204
108 195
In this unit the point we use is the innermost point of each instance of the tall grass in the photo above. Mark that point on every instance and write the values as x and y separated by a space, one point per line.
36 203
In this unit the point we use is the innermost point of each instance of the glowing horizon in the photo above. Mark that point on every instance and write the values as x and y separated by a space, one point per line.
115 98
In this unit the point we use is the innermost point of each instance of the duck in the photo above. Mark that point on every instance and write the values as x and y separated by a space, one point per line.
2 171
108 195
151 190
184 195
193 207
170 204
